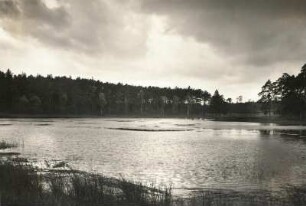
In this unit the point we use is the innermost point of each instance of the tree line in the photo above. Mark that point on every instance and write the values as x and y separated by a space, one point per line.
22 94
28 94
285 96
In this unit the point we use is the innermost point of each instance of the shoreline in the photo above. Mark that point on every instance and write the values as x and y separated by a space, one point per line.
210 117
74 187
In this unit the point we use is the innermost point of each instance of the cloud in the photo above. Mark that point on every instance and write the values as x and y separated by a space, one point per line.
231 45
8 8
259 32
32 18
91 27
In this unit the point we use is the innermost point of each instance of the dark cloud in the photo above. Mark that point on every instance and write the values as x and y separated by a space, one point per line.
32 18
203 43
33 10
39 13
8 8
255 32
83 26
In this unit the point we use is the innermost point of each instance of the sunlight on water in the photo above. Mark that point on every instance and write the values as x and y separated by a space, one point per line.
189 154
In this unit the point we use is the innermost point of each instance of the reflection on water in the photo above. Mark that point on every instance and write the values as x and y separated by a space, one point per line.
189 154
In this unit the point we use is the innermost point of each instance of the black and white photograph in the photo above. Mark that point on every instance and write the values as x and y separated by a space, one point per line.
152 102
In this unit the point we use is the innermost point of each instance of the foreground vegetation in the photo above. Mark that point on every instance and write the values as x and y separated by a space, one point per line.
21 184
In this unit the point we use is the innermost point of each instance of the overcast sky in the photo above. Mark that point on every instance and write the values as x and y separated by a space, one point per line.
230 45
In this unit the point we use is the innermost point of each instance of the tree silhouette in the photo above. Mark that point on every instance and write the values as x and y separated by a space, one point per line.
141 100
206 97
22 94
102 102
217 103
289 92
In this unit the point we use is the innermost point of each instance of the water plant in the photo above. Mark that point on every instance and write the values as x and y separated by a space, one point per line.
22 184
6 145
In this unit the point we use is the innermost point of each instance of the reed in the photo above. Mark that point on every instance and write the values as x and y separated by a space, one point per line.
22 184
6 145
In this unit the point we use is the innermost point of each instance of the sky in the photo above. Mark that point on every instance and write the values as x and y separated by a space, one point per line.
234 46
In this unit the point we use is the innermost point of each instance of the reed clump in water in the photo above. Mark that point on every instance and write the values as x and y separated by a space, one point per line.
6 145
22 184
19 184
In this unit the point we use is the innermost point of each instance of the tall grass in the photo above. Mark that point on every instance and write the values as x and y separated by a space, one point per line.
294 196
6 145
19 184
22 184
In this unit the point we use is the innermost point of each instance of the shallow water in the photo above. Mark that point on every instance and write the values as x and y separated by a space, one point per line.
191 155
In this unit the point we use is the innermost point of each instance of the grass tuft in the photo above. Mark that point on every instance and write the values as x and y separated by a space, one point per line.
22 184
6 145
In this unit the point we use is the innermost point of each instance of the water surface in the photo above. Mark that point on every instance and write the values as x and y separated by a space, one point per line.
191 155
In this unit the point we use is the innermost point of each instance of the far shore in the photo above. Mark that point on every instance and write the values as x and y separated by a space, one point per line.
212 117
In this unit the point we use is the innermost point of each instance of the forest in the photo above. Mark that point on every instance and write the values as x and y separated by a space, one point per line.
286 96
22 94
39 95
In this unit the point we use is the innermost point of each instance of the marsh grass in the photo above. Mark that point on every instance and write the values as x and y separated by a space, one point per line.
293 196
6 145
21 184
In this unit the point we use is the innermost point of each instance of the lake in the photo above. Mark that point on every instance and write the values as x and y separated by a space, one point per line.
190 155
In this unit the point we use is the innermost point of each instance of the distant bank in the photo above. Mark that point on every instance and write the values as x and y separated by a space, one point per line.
289 120
64 97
